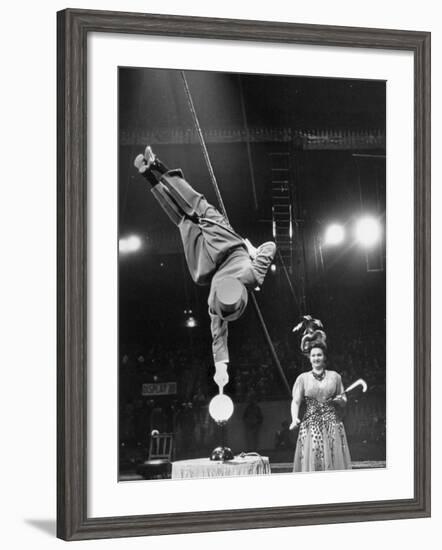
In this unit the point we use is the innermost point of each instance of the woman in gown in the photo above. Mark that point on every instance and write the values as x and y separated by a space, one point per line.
322 443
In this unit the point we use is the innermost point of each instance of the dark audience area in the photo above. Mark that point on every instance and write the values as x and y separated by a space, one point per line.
187 361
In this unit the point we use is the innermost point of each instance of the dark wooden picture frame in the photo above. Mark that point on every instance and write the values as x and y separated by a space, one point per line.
73 28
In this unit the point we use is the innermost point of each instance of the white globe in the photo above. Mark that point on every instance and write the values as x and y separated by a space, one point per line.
221 408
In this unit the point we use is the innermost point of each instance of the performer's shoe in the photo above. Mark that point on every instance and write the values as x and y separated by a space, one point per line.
149 156
140 163
146 161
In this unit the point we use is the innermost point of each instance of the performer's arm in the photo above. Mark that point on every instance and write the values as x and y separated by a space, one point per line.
298 394
219 330
219 338
261 263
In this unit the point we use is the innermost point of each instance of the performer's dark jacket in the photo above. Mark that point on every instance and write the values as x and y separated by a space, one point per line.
212 248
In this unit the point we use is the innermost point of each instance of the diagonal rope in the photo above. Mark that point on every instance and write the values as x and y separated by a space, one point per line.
203 146
223 209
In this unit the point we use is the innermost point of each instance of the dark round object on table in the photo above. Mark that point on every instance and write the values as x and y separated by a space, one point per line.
222 454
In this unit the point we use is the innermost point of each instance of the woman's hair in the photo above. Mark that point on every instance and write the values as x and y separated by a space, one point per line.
319 345
312 335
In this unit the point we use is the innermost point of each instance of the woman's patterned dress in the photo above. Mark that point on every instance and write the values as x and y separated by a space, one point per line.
322 443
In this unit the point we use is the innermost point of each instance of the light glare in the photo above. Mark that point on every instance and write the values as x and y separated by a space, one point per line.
133 243
122 245
334 234
368 231
129 244
191 322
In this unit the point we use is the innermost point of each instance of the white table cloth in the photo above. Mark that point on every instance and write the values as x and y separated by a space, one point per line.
204 467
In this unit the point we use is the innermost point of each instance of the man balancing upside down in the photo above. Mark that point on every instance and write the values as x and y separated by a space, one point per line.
215 254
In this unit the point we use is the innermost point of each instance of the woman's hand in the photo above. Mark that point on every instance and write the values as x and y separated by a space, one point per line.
295 423
340 400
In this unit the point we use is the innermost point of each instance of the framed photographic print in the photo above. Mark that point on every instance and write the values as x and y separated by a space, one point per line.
243 274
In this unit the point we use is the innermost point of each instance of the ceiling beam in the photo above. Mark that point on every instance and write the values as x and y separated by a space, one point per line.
303 139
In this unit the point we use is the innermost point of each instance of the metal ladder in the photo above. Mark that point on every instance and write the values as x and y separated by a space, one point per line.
282 215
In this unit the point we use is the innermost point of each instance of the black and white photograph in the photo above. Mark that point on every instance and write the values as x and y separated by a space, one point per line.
251 274
220 237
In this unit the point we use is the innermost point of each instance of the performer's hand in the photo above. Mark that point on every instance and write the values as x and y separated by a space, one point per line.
295 423
221 377
251 249
340 400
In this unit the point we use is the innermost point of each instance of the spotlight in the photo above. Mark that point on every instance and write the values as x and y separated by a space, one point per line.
122 246
368 231
334 234
221 408
273 268
191 322
129 244
133 243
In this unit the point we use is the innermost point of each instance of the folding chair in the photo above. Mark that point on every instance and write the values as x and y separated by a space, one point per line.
158 465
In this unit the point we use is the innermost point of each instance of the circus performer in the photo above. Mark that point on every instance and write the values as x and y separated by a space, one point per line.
216 255
322 442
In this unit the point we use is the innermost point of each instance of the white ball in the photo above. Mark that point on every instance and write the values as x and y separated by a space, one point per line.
221 408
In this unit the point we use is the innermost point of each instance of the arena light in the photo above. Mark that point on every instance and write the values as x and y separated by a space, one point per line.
221 408
122 246
334 234
129 244
368 231
191 322
133 243
273 268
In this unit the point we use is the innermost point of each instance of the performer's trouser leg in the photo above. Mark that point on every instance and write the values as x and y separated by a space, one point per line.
166 192
180 200
167 203
207 236
197 208
155 171
184 195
